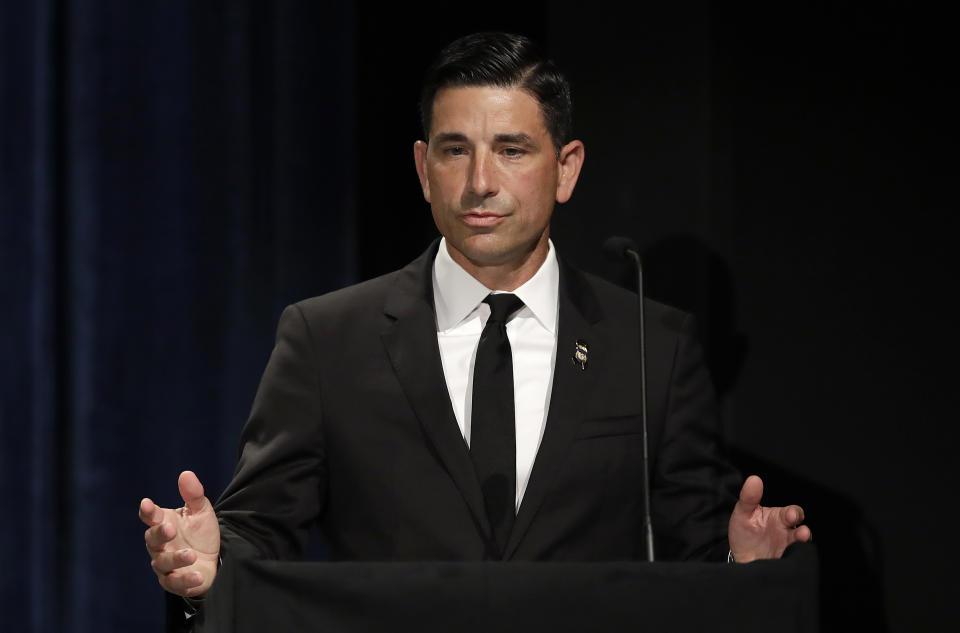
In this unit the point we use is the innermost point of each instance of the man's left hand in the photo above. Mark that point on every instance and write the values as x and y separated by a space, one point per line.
758 532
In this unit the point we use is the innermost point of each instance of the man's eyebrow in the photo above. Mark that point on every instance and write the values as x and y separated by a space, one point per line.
450 137
519 138
516 138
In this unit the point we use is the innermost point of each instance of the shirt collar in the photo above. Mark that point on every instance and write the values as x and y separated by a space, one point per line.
456 293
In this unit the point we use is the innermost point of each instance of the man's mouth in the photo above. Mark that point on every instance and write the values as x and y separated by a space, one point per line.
481 218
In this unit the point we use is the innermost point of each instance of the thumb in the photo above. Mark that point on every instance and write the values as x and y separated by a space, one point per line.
192 491
750 495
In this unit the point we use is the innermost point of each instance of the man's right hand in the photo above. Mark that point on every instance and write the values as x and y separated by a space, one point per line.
184 543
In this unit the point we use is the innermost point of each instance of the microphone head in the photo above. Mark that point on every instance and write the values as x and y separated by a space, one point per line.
616 247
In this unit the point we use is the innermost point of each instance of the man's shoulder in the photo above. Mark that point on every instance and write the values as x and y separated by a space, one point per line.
355 308
616 301
358 296
368 299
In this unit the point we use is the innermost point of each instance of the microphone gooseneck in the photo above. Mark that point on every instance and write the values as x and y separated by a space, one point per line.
618 247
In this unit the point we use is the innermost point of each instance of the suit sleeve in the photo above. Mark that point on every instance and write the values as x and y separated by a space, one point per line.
278 489
693 486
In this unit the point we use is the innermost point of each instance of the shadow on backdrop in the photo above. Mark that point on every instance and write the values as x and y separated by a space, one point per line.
683 272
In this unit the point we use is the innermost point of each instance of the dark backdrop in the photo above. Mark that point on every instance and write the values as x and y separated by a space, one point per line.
172 174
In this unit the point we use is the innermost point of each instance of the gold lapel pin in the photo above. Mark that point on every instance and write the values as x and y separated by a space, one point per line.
580 354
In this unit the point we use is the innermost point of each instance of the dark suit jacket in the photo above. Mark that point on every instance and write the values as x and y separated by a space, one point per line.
352 426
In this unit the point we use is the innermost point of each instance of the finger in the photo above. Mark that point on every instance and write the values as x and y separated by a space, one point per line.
792 516
803 533
182 583
150 513
750 495
166 562
192 491
157 536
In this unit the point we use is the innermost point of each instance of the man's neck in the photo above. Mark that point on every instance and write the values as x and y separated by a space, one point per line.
508 276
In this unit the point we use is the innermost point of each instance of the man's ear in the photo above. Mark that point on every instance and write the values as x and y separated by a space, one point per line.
420 158
569 164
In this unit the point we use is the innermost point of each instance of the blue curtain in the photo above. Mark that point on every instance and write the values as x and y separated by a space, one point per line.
171 175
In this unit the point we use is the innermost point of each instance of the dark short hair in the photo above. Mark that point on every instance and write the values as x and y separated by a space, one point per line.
504 60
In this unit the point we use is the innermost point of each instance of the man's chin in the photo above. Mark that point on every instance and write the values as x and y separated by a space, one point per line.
486 250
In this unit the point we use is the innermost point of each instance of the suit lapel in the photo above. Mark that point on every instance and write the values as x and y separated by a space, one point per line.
579 311
411 343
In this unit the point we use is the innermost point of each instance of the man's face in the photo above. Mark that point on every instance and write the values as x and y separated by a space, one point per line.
491 174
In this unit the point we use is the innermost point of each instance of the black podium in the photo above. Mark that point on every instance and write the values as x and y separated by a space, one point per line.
764 596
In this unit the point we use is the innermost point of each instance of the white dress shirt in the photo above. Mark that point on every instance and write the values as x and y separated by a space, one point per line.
461 316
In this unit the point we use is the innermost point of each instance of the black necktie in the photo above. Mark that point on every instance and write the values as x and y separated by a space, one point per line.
493 444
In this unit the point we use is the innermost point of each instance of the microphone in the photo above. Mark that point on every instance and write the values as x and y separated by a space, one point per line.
618 247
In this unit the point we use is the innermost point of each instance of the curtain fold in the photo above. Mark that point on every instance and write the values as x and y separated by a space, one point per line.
30 375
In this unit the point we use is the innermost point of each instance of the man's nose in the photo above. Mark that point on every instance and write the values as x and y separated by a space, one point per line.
483 177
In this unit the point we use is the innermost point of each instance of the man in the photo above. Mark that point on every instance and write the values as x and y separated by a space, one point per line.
412 420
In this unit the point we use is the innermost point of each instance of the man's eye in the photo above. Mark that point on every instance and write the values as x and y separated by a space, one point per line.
455 150
513 152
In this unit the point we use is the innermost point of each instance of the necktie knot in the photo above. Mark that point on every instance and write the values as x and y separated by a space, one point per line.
502 306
